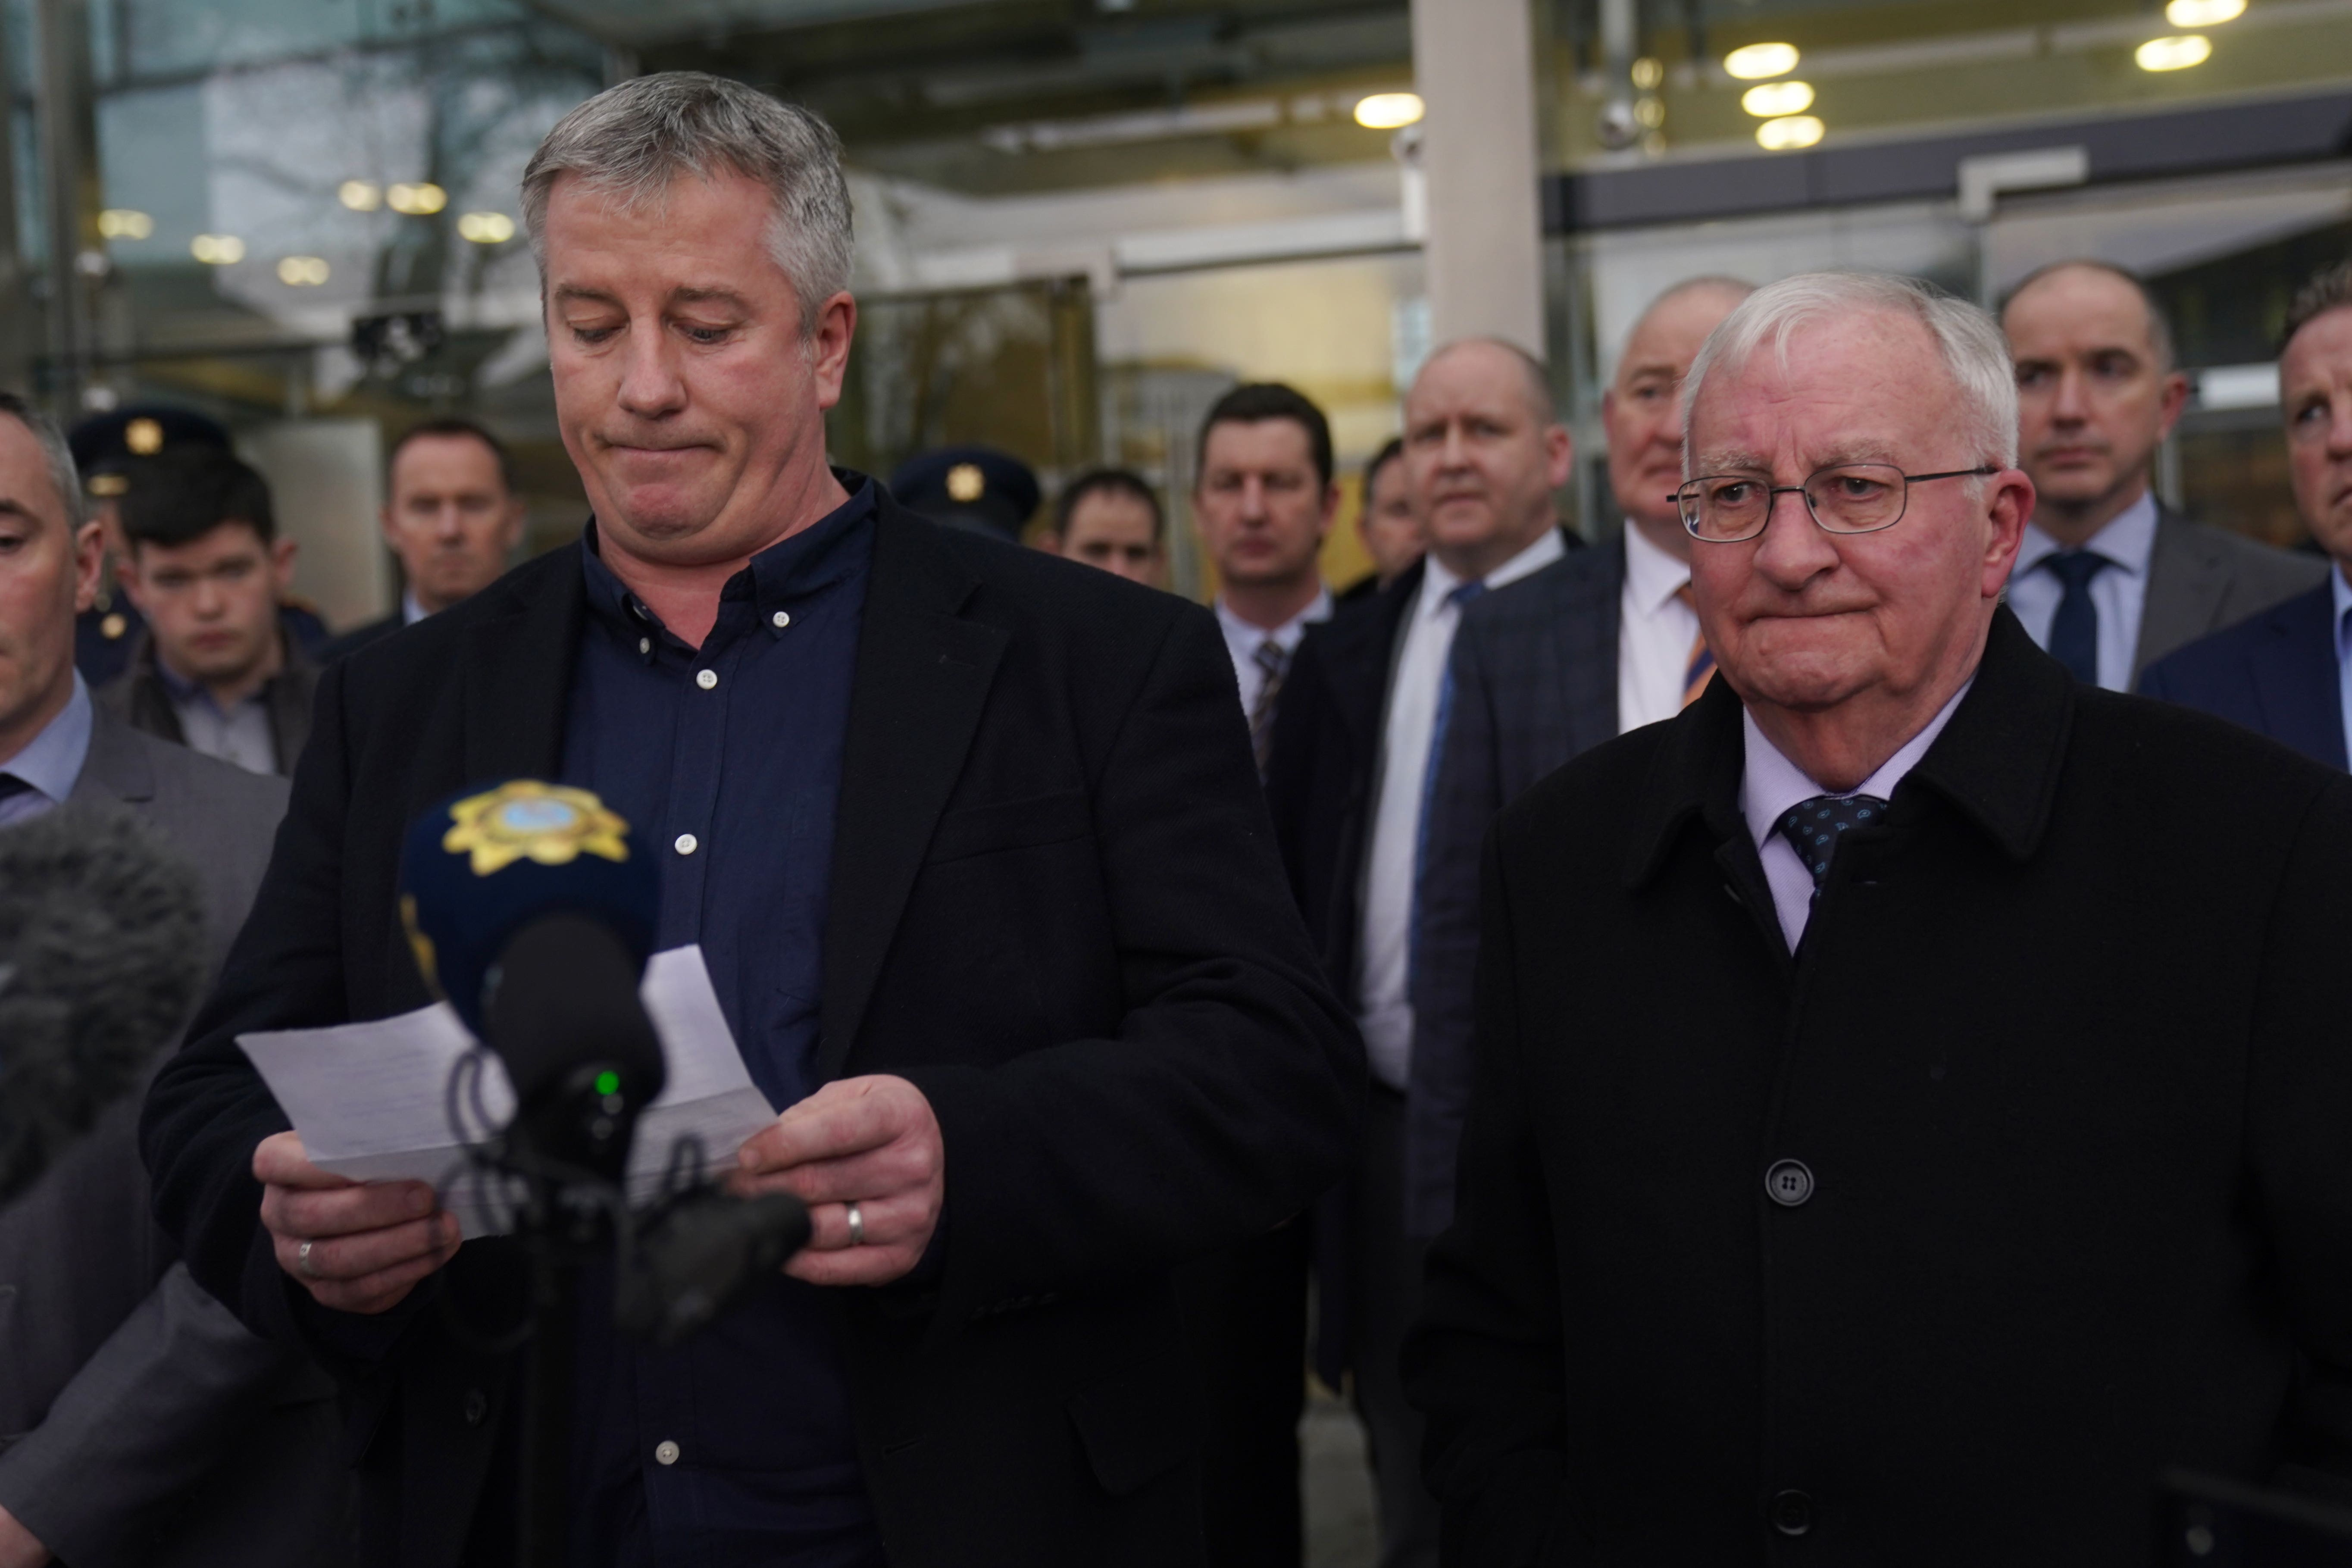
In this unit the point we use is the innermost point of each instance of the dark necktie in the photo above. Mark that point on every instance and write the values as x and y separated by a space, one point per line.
1814 826
11 786
1273 663
1459 596
2075 629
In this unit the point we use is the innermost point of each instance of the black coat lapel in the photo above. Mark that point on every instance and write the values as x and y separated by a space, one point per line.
923 677
519 672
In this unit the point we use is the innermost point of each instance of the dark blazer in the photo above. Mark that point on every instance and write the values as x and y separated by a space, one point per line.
363 636
2066 1069
1056 908
2200 579
1535 684
140 697
141 1423
2277 674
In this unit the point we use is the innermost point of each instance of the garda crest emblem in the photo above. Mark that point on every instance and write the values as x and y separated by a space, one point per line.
527 820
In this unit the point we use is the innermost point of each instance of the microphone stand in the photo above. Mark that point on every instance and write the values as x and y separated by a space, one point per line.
547 1404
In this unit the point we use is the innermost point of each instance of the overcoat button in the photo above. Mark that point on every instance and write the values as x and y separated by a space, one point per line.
478 1406
1792 1512
1789 1182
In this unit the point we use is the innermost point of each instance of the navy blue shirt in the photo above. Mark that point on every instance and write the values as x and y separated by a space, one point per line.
735 1447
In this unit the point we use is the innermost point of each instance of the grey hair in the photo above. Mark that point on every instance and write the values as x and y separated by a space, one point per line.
2329 288
1974 353
631 141
56 454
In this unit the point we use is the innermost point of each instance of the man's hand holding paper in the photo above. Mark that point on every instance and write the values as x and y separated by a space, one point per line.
357 1246
868 1143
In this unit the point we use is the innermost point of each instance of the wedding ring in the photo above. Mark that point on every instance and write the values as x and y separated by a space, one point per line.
302 1263
857 1227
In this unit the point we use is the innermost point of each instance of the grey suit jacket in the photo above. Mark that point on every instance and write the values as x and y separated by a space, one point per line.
1535 683
139 1422
2202 579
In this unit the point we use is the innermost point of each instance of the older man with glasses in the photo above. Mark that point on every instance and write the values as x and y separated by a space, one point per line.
1910 1083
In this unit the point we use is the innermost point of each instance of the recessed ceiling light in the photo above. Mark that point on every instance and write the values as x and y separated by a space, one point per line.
1388 110
125 223
485 228
1789 132
360 196
217 249
302 271
1774 98
1758 61
422 199
2175 53
2203 13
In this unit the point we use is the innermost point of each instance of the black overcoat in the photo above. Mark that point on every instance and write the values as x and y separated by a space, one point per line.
1056 908
2067 1054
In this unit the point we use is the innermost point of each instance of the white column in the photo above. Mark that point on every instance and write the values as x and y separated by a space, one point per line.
1472 67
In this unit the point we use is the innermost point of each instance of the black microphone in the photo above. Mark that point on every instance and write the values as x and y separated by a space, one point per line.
562 1011
102 956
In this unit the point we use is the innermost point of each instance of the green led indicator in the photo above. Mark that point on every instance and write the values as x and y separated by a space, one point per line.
608 1083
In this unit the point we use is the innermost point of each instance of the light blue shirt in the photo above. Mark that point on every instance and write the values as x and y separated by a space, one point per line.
2343 591
2118 593
51 762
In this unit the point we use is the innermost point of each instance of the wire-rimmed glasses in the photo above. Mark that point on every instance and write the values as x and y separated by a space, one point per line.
1845 498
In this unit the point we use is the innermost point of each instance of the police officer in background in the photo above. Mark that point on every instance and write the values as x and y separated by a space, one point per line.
451 517
977 489
108 449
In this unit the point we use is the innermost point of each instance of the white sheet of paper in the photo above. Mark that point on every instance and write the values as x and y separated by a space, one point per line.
371 1099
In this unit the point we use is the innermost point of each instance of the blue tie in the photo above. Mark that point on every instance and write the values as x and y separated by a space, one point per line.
1461 594
2075 629
1814 827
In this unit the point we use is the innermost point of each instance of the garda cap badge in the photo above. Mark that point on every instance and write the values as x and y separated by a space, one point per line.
527 820
966 482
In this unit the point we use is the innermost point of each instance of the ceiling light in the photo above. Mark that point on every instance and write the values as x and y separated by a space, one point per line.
420 200
485 228
217 249
1789 132
1649 73
360 196
1388 110
2203 13
1774 98
125 223
302 271
1758 61
2175 53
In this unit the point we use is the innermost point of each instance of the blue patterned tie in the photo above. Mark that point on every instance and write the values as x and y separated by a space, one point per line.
1814 826
2075 629
1461 594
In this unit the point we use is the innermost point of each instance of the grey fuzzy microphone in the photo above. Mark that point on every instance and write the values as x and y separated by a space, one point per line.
102 954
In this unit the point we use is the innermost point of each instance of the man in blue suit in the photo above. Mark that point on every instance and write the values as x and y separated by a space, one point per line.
2287 672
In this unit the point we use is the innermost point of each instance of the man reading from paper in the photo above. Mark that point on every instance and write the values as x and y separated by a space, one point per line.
972 843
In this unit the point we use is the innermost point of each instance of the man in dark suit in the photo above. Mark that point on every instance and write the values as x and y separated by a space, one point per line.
974 847
1348 782
2284 671
1823 1191
139 1422
452 520
2109 579
1596 644
1385 522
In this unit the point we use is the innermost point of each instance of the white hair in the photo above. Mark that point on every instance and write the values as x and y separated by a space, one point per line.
632 139
1975 355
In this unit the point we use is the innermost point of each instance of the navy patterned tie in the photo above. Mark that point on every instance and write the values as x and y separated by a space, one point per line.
2075 629
1814 826
1273 662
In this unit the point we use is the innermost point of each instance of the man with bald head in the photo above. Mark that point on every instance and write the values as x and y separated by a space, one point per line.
1362 715
1903 1126
2110 579
1592 646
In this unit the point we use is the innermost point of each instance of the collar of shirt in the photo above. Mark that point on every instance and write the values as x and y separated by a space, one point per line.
2128 540
798 565
1653 577
411 612
1438 581
1246 636
1770 784
51 762
184 691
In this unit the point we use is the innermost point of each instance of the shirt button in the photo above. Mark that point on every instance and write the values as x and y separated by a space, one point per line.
1791 1512
645 645
686 843
706 678
666 1452
782 620
478 1406
1789 1182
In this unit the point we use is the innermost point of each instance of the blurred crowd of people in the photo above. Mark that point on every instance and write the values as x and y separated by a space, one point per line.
1574 1015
